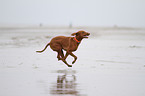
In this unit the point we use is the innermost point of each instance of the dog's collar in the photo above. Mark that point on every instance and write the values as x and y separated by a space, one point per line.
77 40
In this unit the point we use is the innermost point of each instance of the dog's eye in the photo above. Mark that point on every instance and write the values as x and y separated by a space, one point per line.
83 32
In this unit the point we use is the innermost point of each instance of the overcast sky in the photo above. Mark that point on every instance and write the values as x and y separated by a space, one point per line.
129 13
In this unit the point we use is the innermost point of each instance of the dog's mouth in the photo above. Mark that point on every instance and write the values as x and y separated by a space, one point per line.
86 36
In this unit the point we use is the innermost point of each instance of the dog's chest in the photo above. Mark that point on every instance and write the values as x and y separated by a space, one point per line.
73 46
70 44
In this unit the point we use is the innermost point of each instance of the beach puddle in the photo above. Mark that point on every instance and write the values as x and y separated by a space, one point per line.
65 83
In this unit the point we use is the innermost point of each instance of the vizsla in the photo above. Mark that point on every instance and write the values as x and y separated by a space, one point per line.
69 44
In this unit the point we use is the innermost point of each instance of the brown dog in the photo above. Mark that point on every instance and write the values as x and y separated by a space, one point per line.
69 44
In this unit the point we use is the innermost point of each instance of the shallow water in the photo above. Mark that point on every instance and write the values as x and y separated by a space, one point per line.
107 65
65 83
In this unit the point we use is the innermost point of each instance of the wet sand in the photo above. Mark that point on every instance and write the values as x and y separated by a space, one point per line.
110 63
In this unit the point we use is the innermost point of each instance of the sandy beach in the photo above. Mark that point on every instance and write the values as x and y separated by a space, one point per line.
111 62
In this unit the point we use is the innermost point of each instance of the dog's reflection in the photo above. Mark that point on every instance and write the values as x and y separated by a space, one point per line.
65 83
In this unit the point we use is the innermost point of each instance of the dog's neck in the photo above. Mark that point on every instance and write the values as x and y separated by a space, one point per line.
78 39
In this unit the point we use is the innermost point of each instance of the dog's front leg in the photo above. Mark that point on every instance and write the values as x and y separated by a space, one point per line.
63 59
75 57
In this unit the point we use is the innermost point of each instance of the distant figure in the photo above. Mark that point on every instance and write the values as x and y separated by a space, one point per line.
70 25
115 26
40 24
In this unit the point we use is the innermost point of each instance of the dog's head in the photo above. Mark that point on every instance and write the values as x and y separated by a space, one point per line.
81 34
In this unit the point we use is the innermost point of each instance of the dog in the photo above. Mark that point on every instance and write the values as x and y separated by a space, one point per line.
69 44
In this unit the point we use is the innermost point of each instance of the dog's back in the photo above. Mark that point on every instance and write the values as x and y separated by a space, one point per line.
60 42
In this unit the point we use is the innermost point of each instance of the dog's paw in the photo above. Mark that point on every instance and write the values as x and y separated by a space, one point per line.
69 65
59 59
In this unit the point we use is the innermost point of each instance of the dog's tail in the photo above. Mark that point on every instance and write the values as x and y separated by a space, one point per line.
44 48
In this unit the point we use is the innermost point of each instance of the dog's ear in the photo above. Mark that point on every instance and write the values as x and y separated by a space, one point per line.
74 34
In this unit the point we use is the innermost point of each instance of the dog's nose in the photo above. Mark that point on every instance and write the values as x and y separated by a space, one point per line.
88 33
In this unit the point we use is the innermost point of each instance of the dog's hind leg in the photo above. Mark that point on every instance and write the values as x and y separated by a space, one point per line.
61 54
58 55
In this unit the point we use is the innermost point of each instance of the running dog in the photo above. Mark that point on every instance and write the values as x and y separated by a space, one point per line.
69 44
